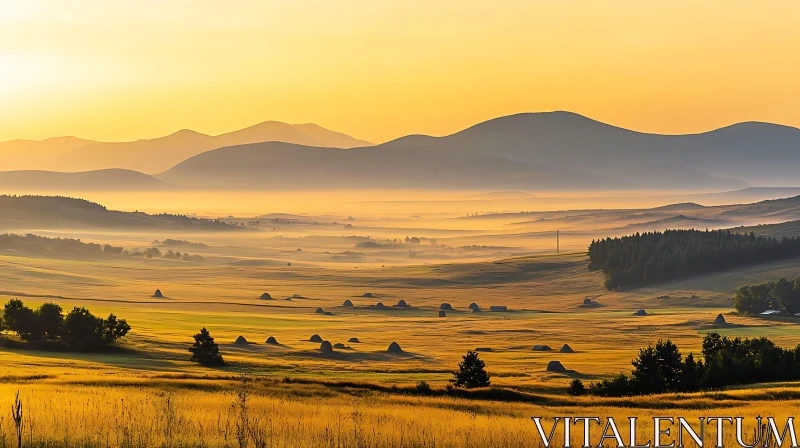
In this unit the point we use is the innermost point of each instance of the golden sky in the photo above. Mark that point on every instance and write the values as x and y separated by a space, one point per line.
122 70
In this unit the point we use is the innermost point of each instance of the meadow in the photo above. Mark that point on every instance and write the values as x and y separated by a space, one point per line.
147 393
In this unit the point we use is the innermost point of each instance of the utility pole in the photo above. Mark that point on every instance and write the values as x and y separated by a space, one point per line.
558 243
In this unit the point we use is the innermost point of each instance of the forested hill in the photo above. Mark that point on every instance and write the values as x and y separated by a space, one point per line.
40 212
651 257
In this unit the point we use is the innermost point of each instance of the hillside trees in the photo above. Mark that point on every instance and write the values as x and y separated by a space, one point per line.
782 295
646 258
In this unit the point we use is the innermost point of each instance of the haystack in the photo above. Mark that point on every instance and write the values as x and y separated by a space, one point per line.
442 314
368 295
587 301
640 313
326 347
353 340
380 305
240 341
315 338
720 320
445 307
158 294
394 347
339 345
541 348
272 340
297 296
477 310
556 366
347 303
266 296
401 304
566 349
483 349
320 311
473 306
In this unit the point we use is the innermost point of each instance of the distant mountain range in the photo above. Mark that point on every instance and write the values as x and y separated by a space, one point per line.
156 155
533 151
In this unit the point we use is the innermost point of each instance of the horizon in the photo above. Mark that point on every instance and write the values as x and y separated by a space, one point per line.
379 72
376 143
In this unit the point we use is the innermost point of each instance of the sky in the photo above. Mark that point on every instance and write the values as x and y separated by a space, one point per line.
120 70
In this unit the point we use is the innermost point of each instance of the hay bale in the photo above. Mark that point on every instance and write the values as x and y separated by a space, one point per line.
266 296
483 349
272 340
368 295
640 313
347 303
566 349
445 307
587 301
380 305
315 338
326 347
541 348
394 347
442 314
556 366
353 340
320 311
473 306
401 304
339 345
720 320
240 341
498 308
158 294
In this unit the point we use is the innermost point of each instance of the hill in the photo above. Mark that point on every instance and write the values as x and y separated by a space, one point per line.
158 154
105 180
554 151
52 212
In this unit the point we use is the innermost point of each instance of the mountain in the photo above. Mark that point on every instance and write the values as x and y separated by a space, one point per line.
543 151
25 213
158 154
100 180
37 154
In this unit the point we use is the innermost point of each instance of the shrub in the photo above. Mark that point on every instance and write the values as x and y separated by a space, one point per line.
576 388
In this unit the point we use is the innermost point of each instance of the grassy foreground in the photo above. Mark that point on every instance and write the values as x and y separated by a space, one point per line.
186 410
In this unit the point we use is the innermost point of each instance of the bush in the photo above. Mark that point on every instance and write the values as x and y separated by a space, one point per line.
423 387
576 388
471 372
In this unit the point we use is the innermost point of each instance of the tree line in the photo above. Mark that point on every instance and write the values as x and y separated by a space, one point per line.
79 329
661 368
782 295
651 257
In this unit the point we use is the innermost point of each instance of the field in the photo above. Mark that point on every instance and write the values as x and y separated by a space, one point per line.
149 394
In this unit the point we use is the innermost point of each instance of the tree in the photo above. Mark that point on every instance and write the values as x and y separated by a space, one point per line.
205 350
114 329
22 320
657 369
82 329
471 372
576 388
50 319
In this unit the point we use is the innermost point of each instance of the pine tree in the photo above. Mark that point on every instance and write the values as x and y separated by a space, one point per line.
205 350
471 372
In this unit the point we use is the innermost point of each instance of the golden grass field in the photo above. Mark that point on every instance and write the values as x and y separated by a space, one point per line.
149 394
